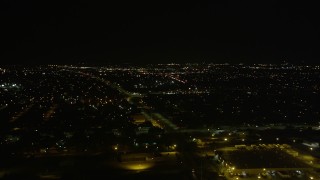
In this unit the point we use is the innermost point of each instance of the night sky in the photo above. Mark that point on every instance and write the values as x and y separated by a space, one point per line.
47 32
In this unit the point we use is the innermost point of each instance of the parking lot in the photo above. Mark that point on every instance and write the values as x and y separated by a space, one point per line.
262 161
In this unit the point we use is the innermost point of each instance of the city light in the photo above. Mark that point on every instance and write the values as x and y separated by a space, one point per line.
143 113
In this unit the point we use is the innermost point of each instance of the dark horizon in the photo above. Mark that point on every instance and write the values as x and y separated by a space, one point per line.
139 33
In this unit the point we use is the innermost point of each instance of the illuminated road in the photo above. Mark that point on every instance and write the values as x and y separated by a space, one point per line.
170 126
154 122
50 112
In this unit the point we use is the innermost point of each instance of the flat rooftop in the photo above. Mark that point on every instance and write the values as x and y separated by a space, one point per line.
261 158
